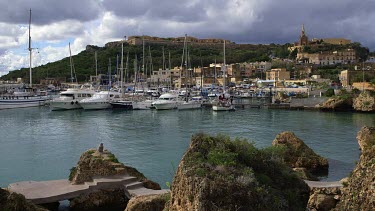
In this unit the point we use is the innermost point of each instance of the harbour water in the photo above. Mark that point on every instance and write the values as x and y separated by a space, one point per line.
39 144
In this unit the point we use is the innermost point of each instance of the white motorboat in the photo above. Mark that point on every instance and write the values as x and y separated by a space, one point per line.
143 105
100 100
70 99
167 101
193 103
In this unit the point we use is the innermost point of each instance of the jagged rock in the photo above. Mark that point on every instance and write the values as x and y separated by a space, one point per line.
336 104
366 137
323 199
359 193
364 102
148 202
219 174
298 155
16 202
92 48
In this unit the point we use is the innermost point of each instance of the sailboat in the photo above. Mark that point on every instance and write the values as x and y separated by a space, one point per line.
187 104
70 98
27 97
224 104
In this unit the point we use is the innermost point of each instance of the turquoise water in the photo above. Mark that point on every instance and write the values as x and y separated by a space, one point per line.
38 144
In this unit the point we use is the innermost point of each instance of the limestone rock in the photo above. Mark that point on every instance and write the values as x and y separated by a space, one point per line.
298 155
16 202
216 173
104 199
323 199
148 202
366 138
101 162
336 104
359 193
364 102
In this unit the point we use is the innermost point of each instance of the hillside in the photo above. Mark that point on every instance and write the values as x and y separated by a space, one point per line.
84 62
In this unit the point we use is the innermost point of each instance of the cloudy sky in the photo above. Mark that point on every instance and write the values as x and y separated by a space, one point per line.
55 23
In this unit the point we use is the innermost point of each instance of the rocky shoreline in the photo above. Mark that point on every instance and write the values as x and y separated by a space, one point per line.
217 173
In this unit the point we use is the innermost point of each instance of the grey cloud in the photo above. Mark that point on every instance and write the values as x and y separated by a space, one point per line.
45 12
178 10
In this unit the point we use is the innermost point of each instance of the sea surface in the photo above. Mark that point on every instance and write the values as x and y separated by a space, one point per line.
39 144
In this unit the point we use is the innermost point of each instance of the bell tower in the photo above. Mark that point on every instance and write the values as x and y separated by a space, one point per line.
303 39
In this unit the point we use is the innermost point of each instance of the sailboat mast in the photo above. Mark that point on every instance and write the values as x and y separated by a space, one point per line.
122 69
30 51
96 64
71 65
225 68
163 59
143 56
170 73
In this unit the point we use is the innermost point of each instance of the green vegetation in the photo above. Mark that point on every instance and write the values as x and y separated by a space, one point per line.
73 171
330 92
112 158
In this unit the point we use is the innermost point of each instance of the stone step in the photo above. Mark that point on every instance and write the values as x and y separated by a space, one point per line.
120 170
134 185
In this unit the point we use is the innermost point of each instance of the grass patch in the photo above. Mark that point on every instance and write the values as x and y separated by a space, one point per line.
112 158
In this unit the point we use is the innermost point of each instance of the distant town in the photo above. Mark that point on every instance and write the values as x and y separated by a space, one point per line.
330 60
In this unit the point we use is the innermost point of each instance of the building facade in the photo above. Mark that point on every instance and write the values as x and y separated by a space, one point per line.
347 56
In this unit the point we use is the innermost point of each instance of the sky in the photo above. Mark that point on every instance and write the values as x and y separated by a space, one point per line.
55 23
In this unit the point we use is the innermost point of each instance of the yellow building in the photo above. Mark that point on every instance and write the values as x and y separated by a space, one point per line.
278 74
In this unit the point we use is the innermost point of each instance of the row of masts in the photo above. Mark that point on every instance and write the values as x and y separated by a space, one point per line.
124 72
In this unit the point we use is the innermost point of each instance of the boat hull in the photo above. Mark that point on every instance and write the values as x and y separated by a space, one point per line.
127 105
222 108
142 105
64 105
22 103
165 106
95 105
189 105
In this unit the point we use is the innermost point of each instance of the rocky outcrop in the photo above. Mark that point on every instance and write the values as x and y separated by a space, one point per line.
366 138
323 199
336 104
16 202
298 155
359 193
149 202
365 102
219 174
101 162
304 174
113 199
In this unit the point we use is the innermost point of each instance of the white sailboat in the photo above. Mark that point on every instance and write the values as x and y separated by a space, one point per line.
27 97
187 104
224 103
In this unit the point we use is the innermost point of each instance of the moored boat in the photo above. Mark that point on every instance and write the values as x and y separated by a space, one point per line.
70 99
100 100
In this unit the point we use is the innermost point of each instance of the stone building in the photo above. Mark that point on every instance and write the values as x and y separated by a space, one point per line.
278 74
347 56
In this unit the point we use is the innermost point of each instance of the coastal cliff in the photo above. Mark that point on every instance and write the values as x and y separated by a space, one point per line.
218 173
359 192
